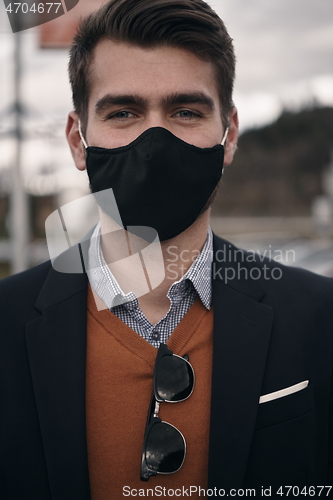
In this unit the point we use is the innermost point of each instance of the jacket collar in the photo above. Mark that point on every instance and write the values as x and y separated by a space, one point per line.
232 266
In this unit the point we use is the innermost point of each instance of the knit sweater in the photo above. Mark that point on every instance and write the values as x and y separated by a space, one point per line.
119 384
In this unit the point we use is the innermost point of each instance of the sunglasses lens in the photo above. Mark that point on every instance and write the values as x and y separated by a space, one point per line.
165 448
174 379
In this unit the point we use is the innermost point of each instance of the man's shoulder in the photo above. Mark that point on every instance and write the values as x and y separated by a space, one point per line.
23 287
31 278
271 274
27 294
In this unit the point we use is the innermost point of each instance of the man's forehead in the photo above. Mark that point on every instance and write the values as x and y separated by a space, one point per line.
114 50
119 68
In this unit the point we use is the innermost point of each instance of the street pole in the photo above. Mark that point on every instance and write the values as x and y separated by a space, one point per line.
19 221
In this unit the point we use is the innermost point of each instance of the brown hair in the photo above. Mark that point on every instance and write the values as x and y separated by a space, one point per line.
187 24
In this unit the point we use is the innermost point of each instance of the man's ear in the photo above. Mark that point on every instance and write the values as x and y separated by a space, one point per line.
232 137
74 141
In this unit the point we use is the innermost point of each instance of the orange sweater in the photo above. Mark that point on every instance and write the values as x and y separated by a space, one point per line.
120 366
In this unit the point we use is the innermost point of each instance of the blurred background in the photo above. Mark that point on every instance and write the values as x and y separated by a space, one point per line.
276 197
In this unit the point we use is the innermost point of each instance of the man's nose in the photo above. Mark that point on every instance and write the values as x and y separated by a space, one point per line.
156 120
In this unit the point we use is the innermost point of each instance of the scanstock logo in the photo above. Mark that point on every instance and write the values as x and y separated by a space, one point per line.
28 14
135 260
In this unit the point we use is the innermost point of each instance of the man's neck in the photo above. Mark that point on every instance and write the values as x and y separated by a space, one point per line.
178 253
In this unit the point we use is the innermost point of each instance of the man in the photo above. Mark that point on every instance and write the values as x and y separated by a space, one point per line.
152 89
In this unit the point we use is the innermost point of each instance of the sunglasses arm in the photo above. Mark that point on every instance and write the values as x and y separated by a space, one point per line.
154 407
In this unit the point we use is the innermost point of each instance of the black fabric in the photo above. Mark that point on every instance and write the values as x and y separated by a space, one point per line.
269 334
158 180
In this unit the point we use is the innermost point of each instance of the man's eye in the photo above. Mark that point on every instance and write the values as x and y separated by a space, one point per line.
185 113
121 115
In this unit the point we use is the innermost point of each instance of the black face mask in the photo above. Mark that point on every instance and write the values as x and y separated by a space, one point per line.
158 180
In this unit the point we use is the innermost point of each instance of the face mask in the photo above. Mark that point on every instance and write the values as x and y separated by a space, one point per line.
158 180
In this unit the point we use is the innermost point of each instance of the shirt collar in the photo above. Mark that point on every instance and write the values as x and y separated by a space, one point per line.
108 289
200 273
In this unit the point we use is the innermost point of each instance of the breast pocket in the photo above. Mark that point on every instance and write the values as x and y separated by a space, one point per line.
286 408
284 442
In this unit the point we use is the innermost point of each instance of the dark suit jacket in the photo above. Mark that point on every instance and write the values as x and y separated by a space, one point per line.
268 334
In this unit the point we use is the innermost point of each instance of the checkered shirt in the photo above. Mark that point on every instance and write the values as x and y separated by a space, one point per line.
182 294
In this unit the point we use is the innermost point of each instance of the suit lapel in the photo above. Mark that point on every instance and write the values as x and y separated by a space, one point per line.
56 344
242 329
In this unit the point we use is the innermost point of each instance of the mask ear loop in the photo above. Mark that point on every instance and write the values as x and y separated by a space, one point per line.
223 141
224 137
81 135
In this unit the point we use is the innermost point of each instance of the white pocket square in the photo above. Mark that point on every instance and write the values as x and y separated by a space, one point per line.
283 392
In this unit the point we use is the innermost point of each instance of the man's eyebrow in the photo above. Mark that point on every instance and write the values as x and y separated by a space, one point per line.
170 100
189 98
119 99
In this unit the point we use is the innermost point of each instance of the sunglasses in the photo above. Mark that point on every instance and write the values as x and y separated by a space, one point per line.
164 446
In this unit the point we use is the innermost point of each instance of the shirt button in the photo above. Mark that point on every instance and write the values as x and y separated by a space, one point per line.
155 336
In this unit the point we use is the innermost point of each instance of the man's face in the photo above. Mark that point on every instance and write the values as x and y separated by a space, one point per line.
133 89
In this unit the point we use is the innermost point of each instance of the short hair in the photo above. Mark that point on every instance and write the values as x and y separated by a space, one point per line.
188 24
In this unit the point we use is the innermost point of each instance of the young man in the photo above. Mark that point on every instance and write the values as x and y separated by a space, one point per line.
152 89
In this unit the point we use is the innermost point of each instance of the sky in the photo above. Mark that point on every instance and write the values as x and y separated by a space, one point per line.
284 52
